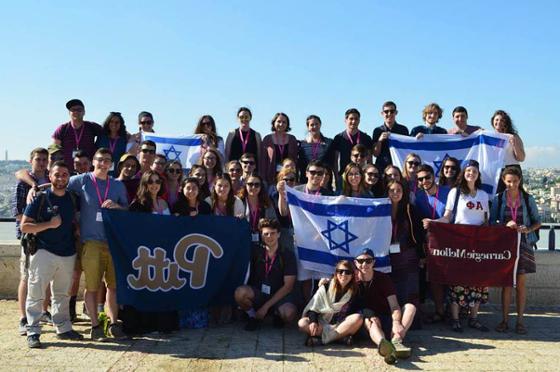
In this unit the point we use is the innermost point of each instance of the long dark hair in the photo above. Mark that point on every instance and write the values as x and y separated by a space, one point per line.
515 171
510 128
377 189
214 135
346 187
143 194
264 200
218 167
462 183
122 129
230 198
444 181
182 198
204 189
352 286
405 200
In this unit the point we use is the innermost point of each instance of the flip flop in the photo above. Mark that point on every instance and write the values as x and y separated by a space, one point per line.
502 327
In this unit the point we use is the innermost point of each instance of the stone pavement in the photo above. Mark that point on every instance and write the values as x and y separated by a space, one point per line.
230 348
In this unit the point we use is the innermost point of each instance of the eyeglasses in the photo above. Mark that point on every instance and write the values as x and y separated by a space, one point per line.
413 162
373 174
357 174
234 170
364 260
248 162
103 160
173 170
148 151
253 184
146 122
316 173
289 179
151 182
343 272
452 167
389 112
421 179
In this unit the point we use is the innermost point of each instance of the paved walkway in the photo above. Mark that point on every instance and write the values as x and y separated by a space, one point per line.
229 348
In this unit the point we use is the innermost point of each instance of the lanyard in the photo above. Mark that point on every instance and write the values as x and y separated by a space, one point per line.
157 207
434 203
268 263
253 215
113 144
244 141
307 191
78 138
315 150
350 138
94 181
280 147
514 208
220 211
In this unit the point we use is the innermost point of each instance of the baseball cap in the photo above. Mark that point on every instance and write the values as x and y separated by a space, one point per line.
366 251
54 148
74 102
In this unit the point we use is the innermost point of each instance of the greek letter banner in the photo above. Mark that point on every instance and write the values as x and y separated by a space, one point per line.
169 263
487 148
476 256
328 229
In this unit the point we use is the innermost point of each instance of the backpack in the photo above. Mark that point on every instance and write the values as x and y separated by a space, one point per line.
526 199
29 240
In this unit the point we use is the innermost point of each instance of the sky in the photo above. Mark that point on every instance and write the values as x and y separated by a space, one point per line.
182 59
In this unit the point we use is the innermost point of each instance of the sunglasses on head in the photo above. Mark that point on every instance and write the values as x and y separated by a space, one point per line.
151 182
344 271
173 170
148 151
364 260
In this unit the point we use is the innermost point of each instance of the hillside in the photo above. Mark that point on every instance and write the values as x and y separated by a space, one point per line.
7 183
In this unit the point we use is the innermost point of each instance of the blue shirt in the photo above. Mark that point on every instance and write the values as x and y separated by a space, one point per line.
425 203
82 184
59 241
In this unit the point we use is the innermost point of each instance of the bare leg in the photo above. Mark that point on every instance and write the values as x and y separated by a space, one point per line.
454 311
306 290
91 306
373 325
438 291
22 295
349 326
303 325
521 297
287 312
506 300
408 312
112 306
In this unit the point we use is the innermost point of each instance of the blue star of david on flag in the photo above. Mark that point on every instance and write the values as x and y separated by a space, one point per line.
332 227
438 163
172 150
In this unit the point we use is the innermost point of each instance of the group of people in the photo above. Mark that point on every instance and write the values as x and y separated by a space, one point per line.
90 167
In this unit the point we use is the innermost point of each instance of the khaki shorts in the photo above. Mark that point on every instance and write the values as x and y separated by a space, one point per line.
96 261
79 249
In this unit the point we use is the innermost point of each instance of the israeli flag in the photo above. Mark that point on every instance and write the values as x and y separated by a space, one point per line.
186 149
488 149
328 229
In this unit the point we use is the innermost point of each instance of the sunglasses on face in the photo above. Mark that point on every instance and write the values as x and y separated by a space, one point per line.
157 182
253 184
316 173
343 272
413 162
147 122
449 167
373 174
389 112
173 170
289 179
421 179
247 162
148 151
364 260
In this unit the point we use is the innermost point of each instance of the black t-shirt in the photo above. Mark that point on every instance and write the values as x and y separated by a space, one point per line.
322 190
182 207
384 158
284 264
373 294
237 148
343 145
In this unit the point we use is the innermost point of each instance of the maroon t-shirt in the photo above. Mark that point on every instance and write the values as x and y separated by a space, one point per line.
67 136
373 294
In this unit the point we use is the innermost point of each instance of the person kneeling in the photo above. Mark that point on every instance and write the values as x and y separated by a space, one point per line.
273 274
328 316
377 300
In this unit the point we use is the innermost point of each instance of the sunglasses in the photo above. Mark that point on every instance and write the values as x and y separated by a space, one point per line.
452 167
151 182
316 173
388 112
421 179
253 184
247 162
364 260
413 162
343 272
173 170
373 174
289 179
147 122
148 151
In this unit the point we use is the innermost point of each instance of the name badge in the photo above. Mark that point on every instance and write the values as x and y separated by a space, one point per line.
112 167
278 167
99 217
74 153
255 237
395 248
265 289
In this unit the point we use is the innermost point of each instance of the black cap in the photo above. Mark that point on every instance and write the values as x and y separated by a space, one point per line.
74 102
145 113
471 163
366 251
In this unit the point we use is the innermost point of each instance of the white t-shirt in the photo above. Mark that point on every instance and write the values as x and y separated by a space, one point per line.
471 209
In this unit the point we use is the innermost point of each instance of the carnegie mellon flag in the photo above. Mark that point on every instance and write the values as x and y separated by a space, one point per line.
477 256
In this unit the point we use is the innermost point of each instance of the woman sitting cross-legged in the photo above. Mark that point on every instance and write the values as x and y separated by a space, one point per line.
327 317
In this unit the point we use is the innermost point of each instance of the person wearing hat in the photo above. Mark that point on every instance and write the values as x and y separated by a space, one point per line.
76 134
377 301
127 170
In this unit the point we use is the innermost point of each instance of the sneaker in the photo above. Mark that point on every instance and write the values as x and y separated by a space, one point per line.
33 342
401 351
277 321
70 335
23 326
97 333
115 331
252 324
46 318
387 351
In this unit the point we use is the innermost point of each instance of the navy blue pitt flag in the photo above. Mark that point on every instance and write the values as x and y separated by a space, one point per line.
172 263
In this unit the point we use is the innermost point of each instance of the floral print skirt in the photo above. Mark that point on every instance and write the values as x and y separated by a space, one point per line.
467 296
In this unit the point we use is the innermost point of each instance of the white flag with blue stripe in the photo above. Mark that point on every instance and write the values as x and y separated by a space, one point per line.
487 148
186 149
328 229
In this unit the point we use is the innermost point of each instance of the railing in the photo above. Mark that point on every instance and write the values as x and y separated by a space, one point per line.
546 228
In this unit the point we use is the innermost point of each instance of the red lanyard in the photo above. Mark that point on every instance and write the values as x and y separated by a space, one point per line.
350 138
113 144
244 141
268 263
254 215
94 181
514 209
280 147
307 191
78 138
315 150
434 204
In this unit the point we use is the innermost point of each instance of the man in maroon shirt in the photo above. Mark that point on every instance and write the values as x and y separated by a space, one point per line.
76 134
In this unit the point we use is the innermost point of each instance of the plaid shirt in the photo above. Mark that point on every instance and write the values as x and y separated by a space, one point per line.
19 200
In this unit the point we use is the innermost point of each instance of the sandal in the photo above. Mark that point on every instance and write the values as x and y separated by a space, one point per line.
457 327
502 327
313 341
435 318
520 329
475 323
348 341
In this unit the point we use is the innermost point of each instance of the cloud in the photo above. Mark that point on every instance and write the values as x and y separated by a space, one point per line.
542 156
